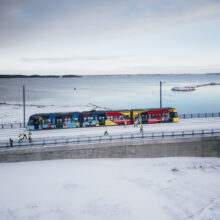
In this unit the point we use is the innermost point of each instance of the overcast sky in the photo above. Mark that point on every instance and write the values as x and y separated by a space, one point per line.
109 36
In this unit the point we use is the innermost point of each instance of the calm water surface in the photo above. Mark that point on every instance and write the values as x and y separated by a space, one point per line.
116 92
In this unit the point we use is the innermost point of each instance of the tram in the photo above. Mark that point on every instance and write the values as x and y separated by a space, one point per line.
101 118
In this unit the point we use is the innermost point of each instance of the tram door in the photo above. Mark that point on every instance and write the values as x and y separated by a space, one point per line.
144 117
36 123
59 122
101 120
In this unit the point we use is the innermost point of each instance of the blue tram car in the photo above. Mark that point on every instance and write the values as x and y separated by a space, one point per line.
54 120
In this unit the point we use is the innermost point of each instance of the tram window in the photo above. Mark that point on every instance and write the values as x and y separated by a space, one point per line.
175 115
30 122
85 119
112 117
109 118
122 117
160 115
67 119
116 117
48 120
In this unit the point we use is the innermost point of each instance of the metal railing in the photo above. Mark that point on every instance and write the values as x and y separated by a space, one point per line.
182 116
111 138
200 115
12 125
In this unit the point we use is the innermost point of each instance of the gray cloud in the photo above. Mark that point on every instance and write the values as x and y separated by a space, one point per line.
26 19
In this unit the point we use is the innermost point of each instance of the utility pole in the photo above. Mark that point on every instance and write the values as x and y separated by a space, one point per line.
160 94
24 103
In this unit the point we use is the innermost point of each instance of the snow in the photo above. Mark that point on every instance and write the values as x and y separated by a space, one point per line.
119 189
10 111
14 113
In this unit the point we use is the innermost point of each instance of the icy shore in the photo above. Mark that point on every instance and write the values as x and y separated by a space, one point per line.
192 88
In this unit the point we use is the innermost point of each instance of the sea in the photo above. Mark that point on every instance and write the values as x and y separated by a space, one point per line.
116 92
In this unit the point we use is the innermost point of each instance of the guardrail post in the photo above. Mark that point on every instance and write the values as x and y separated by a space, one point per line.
191 115
131 136
162 134
11 125
172 133
182 133
100 139
78 140
67 141
122 136
192 132
202 132
198 115
89 139
212 114
184 116
219 114
205 115
212 132
55 141
3 125
110 138
152 135
44 142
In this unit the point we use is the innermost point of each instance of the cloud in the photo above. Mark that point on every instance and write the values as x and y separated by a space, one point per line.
22 19
70 59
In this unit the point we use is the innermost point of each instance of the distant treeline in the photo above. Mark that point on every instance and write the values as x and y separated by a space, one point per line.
37 76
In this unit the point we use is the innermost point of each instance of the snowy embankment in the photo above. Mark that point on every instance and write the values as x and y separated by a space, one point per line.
13 113
119 189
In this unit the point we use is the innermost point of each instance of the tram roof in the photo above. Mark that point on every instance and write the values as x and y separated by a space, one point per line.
100 111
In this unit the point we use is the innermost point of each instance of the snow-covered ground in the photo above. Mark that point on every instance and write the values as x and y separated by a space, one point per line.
107 189
119 189
10 113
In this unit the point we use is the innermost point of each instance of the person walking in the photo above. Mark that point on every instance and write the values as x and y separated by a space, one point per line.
20 138
135 123
29 137
11 142
77 124
141 128
126 124
25 134
106 131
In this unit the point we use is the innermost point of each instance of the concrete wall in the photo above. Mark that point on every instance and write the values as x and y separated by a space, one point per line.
179 147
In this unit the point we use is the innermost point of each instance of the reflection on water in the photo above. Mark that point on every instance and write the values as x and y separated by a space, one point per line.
116 92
